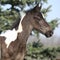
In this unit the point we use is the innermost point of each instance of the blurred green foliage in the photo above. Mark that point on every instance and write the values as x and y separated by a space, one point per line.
54 23
7 18
36 51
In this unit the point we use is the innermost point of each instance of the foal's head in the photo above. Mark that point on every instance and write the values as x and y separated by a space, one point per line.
38 22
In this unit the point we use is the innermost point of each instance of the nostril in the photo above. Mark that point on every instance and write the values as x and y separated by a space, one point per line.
49 33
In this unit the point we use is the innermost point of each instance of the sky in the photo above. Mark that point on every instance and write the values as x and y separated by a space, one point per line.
55 9
55 13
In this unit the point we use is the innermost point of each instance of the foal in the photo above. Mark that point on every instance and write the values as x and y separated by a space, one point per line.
32 20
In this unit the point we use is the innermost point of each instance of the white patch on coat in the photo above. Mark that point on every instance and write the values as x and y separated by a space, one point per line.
20 29
11 35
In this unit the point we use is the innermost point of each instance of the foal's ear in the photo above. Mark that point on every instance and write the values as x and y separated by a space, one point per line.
38 8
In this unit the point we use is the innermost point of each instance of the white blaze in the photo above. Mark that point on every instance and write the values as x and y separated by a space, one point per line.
11 35
20 29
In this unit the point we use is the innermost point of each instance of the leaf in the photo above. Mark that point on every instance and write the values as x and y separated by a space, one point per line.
45 1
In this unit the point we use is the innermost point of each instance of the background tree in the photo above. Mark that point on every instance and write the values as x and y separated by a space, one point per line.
9 16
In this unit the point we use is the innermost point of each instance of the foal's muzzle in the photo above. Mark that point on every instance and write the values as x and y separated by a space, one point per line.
49 33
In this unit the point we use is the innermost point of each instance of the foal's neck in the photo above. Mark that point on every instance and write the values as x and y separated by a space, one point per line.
24 34
26 27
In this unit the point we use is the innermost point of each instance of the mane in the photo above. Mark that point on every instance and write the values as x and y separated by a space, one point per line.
16 23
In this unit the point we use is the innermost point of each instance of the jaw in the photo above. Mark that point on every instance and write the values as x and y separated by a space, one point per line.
47 34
